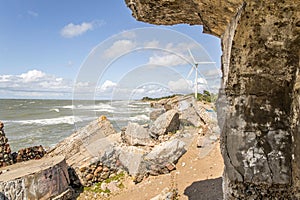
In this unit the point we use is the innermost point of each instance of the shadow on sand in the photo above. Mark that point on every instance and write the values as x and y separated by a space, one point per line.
210 189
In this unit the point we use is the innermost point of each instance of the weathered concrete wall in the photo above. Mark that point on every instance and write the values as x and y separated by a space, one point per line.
259 110
35 179
258 132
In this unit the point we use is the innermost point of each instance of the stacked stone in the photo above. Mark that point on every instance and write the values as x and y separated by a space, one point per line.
30 153
5 151
94 173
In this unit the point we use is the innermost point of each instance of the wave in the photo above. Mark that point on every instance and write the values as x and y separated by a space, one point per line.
68 107
52 121
54 109
139 118
133 118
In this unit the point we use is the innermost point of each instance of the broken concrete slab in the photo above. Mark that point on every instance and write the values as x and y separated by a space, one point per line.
35 179
137 135
167 122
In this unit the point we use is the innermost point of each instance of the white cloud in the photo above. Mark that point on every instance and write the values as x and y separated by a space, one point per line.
107 86
202 81
119 47
166 60
152 44
213 72
31 76
73 30
35 82
5 78
181 86
128 34
32 13
169 58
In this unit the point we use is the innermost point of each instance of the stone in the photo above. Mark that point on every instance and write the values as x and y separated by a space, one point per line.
137 135
170 166
166 194
131 159
89 177
156 113
103 186
113 186
167 122
98 170
105 169
79 140
191 117
164 154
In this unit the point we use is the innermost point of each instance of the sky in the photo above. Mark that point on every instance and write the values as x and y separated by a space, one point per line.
57 49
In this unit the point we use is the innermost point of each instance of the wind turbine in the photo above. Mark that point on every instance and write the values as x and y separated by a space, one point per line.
195 67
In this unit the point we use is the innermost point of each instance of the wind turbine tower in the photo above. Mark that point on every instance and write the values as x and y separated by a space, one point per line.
195 67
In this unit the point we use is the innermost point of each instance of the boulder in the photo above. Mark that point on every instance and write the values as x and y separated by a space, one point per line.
190 116
137 135
76 142
156 113
89 149
132 160
167 122
164 155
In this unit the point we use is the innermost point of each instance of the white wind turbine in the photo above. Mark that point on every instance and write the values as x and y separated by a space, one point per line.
195 67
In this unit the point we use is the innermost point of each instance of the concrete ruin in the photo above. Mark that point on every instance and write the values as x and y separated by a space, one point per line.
259 100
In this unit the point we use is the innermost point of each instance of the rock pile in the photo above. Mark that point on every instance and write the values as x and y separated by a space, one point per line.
30 153
96 153
6 157
191 112
138 150
94 173
9 158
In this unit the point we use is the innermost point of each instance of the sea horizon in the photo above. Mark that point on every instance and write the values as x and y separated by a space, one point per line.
30 122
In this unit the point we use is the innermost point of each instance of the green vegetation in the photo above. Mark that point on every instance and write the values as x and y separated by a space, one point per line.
159 98
117 177
97 186
207 96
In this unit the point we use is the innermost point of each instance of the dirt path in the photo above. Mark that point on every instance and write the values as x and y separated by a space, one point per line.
195 178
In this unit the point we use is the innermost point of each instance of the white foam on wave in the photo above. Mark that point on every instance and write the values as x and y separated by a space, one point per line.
68 107
52 121
54 109
132 118
139 118
100 108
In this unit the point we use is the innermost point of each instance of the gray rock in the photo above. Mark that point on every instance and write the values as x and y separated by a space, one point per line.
167 122
76 143
132 160
137 135
156 113
166 194
163 154
190 117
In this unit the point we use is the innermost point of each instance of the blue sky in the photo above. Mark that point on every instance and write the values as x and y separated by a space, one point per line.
44 45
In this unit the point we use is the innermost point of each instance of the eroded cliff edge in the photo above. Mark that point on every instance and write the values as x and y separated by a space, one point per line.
259 110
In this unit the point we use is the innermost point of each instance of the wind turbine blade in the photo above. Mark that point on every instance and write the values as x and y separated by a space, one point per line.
205 62
191 55
190 73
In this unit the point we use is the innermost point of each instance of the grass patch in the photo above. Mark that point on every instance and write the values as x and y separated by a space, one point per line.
159 98
96 188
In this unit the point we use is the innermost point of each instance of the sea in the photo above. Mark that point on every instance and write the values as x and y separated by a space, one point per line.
30 122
